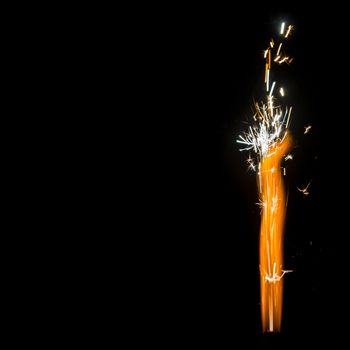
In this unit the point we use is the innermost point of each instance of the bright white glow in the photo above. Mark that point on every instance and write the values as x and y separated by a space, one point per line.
275 277
282 27
267 80
281 91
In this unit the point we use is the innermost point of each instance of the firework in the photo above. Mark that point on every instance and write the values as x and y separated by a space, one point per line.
268 138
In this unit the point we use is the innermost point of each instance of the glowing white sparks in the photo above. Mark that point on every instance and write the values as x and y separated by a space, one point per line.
267 79
304 190
261 204
307 129
282 27
259 176
289 156
251 163
281 91
275 277
270 130
290 27
284 59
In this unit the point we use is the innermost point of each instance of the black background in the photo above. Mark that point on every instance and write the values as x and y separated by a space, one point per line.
202 68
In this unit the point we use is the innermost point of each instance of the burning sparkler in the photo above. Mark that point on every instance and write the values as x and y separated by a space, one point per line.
269 138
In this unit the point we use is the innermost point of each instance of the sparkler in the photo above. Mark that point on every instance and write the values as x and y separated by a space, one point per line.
270 140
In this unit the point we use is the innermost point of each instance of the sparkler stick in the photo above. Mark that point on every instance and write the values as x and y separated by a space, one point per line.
269 138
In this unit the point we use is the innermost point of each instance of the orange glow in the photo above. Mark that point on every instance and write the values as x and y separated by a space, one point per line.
272 197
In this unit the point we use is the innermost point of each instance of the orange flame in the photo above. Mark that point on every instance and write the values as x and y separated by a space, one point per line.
273 200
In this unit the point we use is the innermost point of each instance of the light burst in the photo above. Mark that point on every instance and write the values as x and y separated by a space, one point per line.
268 137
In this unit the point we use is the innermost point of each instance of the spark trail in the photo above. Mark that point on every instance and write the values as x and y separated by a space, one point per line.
270 140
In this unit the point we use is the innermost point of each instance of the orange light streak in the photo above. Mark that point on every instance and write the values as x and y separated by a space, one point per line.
273 199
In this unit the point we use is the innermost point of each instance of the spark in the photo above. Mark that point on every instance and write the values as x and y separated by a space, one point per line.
251 163
282 28
305 189
307 129
275 277
289 156
290 111
281 91
284 59
267 79
261 204
279 49
270 130
290 27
